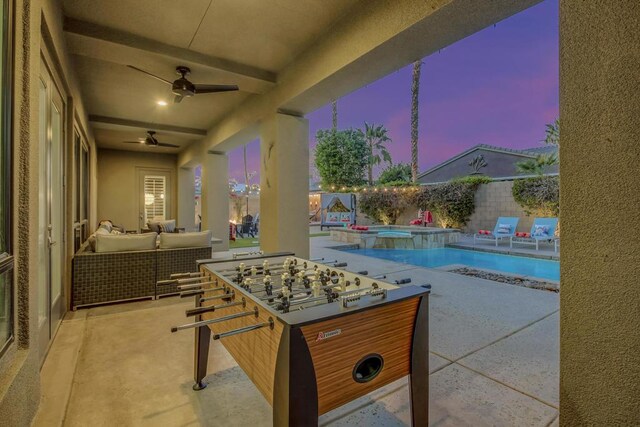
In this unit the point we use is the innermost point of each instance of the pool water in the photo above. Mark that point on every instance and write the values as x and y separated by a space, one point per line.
523 266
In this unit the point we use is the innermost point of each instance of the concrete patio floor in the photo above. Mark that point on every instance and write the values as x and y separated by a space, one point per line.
494 361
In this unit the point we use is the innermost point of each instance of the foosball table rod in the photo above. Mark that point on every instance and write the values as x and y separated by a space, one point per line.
195 285
181 281
241 254
269 323
202 310
278 267
186 275
223 296
217 320
395 282
195 292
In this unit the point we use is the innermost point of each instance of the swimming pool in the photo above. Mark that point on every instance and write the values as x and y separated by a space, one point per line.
524 266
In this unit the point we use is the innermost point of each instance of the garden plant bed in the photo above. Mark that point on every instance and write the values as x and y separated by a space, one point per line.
511 280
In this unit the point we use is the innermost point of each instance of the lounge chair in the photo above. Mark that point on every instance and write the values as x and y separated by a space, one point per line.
505 228
543 229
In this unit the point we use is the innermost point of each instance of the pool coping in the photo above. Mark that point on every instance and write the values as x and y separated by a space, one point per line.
555 257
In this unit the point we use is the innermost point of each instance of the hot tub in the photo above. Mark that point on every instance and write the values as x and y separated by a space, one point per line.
397 237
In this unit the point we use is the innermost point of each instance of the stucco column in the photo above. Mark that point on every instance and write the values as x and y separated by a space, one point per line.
186 198
215 197
284 184
600 204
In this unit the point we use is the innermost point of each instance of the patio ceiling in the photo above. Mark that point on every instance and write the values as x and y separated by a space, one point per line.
247 43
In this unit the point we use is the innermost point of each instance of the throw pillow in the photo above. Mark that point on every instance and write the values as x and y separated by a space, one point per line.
504 228
168 227
540 230
155 226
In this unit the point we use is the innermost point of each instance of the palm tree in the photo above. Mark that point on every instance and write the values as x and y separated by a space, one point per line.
376 137
334 115
247 176
415 89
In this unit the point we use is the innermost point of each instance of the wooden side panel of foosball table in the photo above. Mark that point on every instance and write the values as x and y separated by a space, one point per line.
386 330
256 351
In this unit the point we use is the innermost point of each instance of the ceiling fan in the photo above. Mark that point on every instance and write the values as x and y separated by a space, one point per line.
151 141
182 87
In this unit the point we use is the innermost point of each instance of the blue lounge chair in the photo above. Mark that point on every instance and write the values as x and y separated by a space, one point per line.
543 229
505 228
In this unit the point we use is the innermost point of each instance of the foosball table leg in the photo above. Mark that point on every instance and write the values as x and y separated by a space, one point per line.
295 395
201 351
419 377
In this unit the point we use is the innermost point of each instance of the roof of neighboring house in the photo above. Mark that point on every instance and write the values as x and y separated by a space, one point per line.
525 153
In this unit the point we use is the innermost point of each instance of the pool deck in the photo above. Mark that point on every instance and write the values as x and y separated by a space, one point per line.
494 361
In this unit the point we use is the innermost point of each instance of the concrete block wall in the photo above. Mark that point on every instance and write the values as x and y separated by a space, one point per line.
492 201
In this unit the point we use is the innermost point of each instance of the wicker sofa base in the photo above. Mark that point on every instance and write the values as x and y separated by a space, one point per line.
100 278
171 261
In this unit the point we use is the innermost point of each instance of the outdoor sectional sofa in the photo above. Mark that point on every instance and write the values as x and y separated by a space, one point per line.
117 275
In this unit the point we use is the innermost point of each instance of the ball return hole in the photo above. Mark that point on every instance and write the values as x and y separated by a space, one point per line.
367 368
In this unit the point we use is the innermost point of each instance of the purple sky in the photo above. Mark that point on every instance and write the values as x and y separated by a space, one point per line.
498 86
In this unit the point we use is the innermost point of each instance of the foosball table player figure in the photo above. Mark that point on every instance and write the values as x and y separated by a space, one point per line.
310 335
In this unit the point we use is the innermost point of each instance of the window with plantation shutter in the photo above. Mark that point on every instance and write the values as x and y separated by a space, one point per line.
155 198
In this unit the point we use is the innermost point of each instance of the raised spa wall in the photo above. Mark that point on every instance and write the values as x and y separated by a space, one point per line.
421 237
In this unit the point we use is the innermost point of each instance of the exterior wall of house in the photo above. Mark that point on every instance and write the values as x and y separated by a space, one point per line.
499 164
118 184
37 26
600 296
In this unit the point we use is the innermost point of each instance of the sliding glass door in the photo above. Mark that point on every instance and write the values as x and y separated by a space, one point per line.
51 215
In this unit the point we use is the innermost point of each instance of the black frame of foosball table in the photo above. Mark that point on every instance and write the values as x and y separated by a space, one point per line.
295 399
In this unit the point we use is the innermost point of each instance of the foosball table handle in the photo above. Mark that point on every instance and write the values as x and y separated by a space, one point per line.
269 323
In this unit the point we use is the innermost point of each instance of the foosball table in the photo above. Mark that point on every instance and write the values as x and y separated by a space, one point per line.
310 335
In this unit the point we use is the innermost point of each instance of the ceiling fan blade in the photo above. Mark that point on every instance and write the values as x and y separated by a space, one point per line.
214 88
177 99
163 144
149 74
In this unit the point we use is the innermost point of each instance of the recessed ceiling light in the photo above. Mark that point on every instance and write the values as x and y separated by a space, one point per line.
162 103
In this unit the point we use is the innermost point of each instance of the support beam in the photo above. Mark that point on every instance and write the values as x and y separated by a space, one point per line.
145 125
215 197
186 198
284 184
107 44
599 154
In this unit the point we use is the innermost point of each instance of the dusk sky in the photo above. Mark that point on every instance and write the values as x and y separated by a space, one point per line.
498 87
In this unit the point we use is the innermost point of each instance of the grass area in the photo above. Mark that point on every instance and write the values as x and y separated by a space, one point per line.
247 242
319 234
250 242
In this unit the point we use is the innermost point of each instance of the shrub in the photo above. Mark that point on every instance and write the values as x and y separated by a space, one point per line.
538 196
383 206
452 203
398 174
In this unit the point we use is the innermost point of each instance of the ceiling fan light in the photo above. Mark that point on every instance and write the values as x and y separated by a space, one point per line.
162 103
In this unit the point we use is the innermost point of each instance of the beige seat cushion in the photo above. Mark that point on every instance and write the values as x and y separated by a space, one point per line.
185 240
92 238
125 242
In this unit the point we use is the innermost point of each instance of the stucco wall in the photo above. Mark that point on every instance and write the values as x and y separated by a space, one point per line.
118 187
599 157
